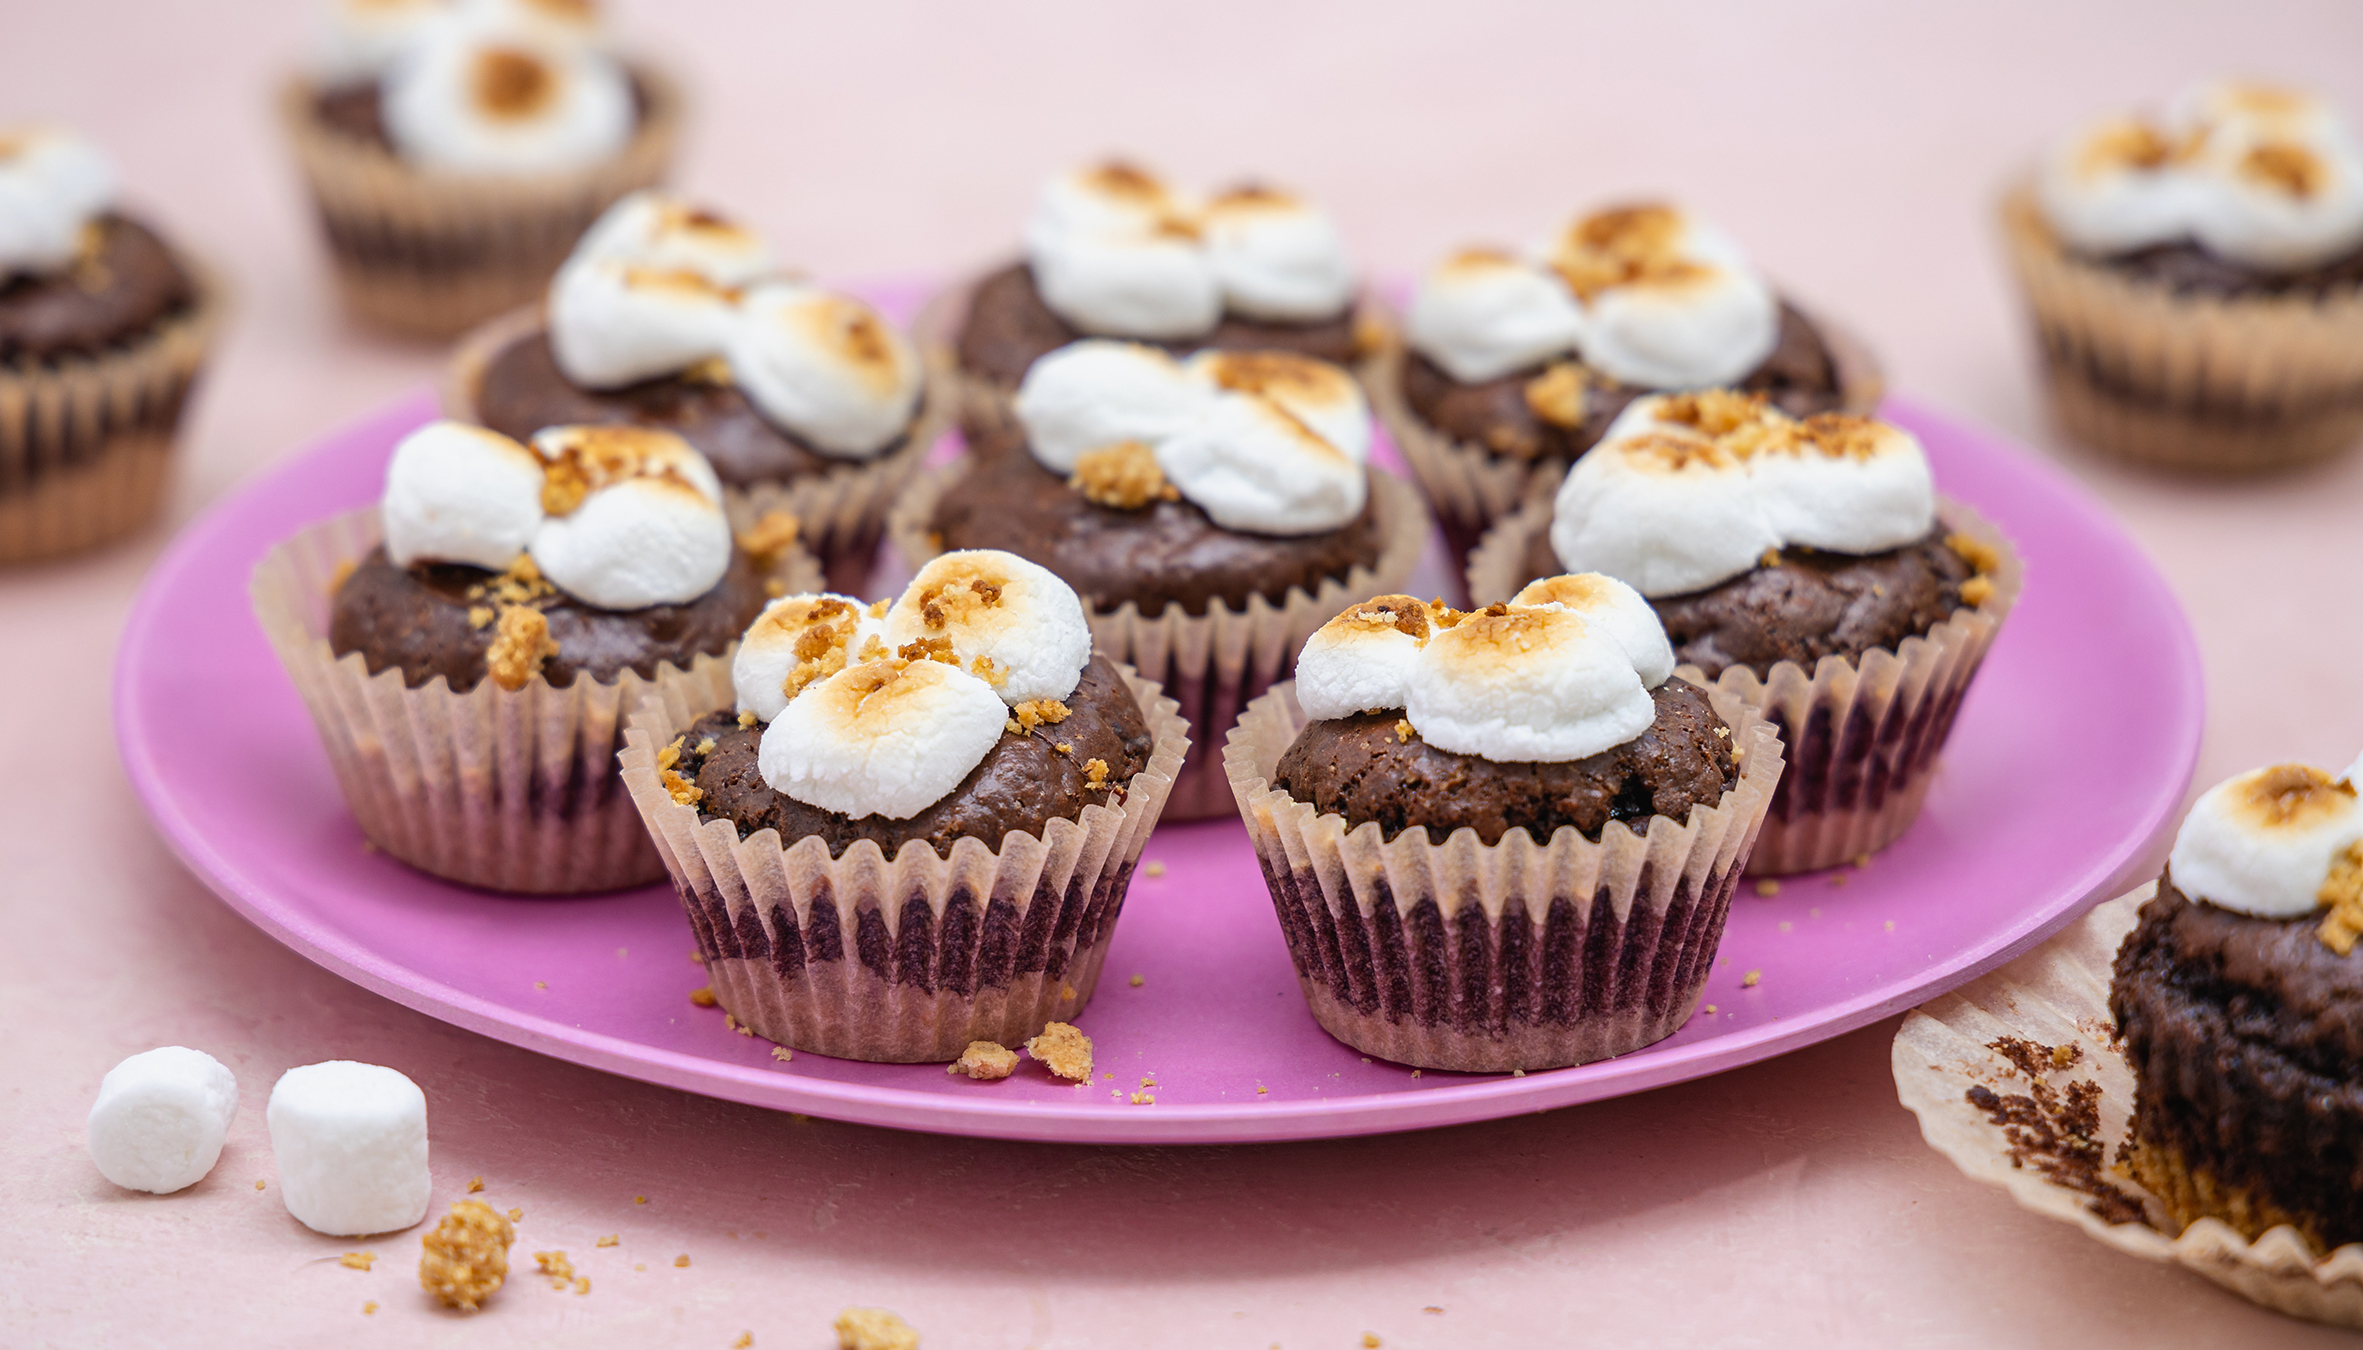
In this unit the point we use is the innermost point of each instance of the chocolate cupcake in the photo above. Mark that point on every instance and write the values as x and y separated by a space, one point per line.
1211 513
454 151
914 827
102 328
803 399
2235 997
469 649
2196 280
1113 251
1512 367
1501 840
1807 567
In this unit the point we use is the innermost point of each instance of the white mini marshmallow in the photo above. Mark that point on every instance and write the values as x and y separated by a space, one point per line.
1664 513
1483 315
1529 685
1361 660
1015 614
1251 465
1324 396
1146 283
501 99
2111 187
875 740
2279 202
160 1118
825 366
657 230
1099 392
1277 257
460 494
362 39
789 632
650 532
350 1140
2263 843
1102 197
53 184
565 23
1846 484
1710 327
2249 107
614 323
1617 609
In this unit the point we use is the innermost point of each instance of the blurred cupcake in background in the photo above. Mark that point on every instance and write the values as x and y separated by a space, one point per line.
2196 279
102 328
455 149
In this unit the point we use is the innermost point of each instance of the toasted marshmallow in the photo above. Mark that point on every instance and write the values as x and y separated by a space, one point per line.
883 738
1846 484
460 494
1132 283
1096 393
826 366
1670 301
1008 620
614 323
2250 107
2263 843
1664 513
1251 465
362 39
563 23
634 517
1322 395
1483 315
2276 201
656 230
1100 198
1277 257
501 99
1526 684
1615 608
1361 660
796 641
2115 186
53 185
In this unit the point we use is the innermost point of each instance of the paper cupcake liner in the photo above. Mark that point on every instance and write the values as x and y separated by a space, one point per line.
85 441
842 509
426 253
1516 955
1214 664
510 790
1862 738
2058 995
2222 383
901 960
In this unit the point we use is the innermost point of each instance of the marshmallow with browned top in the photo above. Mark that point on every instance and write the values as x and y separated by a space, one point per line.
53 186
826 366
492 90
2270 842
651 288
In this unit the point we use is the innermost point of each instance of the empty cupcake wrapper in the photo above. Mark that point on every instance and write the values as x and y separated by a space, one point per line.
909 959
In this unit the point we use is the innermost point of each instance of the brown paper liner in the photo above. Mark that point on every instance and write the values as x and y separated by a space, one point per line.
428 254
842 509
1218 662
901 960
2058 995
1516 955
507 790
85 442
1863 737
2229 384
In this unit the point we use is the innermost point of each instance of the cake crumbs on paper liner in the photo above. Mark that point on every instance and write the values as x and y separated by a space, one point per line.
873 1329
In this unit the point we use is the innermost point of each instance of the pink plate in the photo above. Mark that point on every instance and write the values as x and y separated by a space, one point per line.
2068 761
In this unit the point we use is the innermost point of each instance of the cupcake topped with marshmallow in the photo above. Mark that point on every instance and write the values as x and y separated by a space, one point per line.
2279 843
77 277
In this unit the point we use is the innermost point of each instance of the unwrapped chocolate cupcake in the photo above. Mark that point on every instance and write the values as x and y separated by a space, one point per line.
1506 839
1512 365
1211 512
455 149
2196 279
102 328
667 315
469 648
913 827
2235 996
1806 566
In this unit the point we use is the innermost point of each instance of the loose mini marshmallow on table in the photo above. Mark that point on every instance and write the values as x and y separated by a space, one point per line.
160 1119
350 1140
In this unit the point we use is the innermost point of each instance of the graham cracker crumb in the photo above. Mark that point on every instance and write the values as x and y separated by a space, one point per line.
874 1329
556 1268
519 647
681 789
782 1053
1981 556
1837 878
258 1185
1139 980
681 1261
582 1284
1977 590
984 1061
1095 774
522 584
466 1256
2343 893
1036 711
1143 1099
541 984
369 1307
1403 731
356 1260
745 1339
1370 1340
475 1184
1063 1050
1064 747
1749 980
1154 868
609 1241
1557 395
1766 886
639 1199
1124 475
773 534
480 616
774 588
1260 1089
748 718
705 745
516 1215
343 573
1711 1010
1432 1308
1861 861
1771 558
1891 925
697 957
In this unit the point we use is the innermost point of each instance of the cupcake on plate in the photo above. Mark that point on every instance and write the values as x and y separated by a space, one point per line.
2196 279
1211 512
455 149
1806 566
667 315
1505 839
469 647
2235 997
1514 365
102 328
913 826
1113 251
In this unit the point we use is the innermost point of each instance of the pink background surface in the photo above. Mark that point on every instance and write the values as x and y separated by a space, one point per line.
1855 150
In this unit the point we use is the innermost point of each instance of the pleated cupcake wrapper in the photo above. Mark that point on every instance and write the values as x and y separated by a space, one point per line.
510 790
2221 383
85 441
1214 664
908 959
1516 955
841 510
1862 736
394 229
2058 995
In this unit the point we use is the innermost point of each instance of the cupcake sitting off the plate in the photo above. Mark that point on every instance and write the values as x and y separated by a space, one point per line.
455 148
913 827
102 328
667 315
2236 998
1504 839
1212 512
1513 366
469 648
2196 279
1807 566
